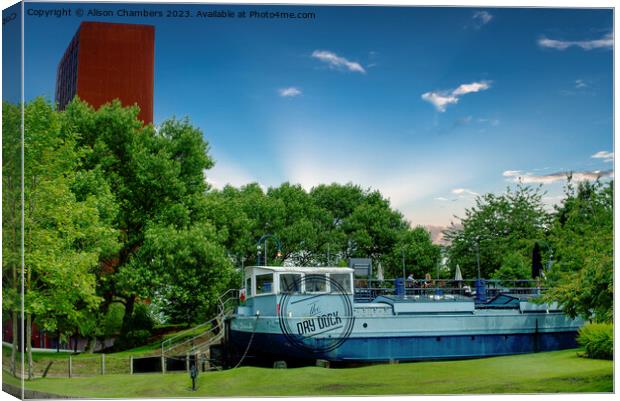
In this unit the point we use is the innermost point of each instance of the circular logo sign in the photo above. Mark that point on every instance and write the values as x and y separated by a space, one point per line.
319 319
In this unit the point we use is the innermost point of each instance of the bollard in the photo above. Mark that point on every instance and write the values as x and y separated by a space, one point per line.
70 366
103 364
131 364
193 374
322 363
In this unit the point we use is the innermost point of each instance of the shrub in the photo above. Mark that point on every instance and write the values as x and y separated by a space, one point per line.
598 340
136 330
112 321
132 339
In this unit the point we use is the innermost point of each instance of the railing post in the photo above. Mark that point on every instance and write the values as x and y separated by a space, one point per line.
103 364
163 364
131 364
70 365
187 362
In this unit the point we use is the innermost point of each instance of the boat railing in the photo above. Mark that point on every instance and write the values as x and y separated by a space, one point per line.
366 290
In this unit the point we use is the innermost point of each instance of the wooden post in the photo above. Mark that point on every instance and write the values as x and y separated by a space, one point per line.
103 364
70 366
187 362
163 364
131 364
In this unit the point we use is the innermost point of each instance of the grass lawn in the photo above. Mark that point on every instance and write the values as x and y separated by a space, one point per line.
550 372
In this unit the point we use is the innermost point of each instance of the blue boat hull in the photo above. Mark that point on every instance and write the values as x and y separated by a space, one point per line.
277 347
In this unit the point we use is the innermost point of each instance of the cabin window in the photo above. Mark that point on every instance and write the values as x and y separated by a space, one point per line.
290 283
248 287
316 283
264 283
343 280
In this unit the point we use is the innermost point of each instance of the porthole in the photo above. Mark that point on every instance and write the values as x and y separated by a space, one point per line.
365 325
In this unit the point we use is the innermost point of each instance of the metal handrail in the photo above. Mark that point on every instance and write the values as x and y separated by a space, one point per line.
225 298
212 341
192 339
224 308
182 333
366 290
441 280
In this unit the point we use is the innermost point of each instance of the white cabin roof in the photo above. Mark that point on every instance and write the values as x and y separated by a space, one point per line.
300 269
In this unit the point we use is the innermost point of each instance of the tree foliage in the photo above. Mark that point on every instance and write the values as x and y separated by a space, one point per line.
515 235
192 269
66 225
582 239
496 227
514 267
324 226
11 220
416 250
157 179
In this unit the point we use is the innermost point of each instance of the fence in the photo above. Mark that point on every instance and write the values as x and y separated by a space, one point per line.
57 365
367 290
85 366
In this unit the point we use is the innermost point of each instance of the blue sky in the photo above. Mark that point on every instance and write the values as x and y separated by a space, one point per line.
429 105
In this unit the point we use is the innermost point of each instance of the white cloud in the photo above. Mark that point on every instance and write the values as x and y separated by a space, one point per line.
471 88
441 198
337 62
605 155
482 18
289 92
441 99
530 178
511 173
464 191
606 41
580 84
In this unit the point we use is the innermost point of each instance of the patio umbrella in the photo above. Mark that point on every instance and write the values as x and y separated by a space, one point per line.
457 274
379 272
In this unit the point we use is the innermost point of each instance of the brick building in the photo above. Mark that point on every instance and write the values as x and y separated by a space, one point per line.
107 61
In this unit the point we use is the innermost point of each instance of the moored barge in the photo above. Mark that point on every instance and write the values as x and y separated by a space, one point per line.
309 313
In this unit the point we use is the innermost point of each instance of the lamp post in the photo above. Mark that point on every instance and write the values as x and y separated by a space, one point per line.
402 251
263 241
478 255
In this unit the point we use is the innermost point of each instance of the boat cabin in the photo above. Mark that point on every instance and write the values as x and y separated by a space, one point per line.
272 280
264 286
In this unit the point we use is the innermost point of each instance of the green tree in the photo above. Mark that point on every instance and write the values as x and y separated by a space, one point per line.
363 224
514 267
497 226
157 179
338 201
420 255
11 220
64 233
241 216
581 237
303 227
226 212
192 267
327 225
